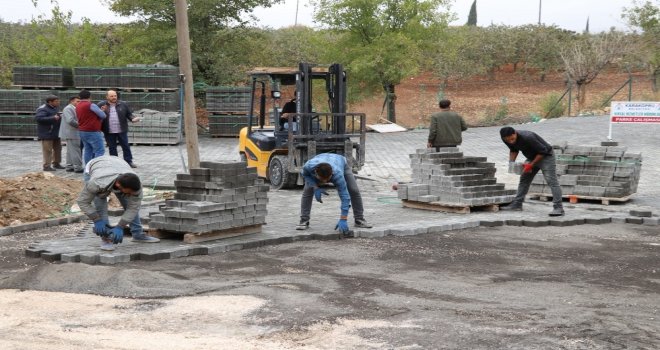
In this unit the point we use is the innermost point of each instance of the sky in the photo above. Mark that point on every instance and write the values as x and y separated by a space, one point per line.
567 14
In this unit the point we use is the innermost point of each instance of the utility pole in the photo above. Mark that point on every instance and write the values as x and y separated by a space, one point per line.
540 11
296 21
185 67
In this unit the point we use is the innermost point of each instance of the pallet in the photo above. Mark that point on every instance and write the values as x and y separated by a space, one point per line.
603 200
206 236
450 208
149 89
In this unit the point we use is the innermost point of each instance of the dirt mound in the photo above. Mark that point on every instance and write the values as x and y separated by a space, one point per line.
36 196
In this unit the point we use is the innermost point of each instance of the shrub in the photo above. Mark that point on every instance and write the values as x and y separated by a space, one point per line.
550 108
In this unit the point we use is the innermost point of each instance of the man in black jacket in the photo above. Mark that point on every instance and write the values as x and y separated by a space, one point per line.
539 156
115 126
48 120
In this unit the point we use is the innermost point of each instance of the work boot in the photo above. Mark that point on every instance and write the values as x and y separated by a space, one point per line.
47 168
57 166
362 223
303 225
512 207
557 212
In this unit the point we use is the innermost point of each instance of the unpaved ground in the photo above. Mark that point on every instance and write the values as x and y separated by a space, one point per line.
584 287
36 196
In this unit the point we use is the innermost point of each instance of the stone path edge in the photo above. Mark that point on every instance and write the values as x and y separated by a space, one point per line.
260 239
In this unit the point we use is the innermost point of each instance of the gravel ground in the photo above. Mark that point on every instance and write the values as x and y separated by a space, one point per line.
583 287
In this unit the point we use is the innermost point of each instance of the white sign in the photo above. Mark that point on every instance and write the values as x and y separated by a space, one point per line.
634 112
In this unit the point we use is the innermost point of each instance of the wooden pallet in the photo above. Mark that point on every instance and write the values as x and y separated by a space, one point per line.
450 208
206 236
545 197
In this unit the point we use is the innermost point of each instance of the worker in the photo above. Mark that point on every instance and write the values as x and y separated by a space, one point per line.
105 175
539 156
446 127
331 168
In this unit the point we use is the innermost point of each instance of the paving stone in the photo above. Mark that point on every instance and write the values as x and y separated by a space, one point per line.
597 221
491 223
514 222
635 220
535 223
652 221
641 213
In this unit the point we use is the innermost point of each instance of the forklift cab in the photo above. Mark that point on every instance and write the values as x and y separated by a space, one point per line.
280 150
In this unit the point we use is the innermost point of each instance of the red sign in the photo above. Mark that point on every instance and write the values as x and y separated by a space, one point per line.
635 119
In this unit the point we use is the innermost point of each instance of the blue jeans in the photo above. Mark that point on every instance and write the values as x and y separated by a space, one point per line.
122 139
92 145
101 205
353 191
549 169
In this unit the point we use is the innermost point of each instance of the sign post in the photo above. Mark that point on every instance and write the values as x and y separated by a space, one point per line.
631 112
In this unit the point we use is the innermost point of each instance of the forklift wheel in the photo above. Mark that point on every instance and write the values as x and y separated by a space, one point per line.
278 175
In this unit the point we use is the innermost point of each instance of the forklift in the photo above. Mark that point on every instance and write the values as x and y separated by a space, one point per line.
280 150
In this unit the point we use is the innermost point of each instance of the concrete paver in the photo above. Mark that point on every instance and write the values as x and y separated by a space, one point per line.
387 161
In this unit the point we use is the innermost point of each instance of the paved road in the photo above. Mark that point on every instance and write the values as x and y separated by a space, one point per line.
387 154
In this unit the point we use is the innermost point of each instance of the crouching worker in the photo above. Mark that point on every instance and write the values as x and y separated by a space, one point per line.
105 175
331 168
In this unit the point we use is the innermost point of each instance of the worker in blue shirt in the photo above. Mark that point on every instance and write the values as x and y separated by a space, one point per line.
331 168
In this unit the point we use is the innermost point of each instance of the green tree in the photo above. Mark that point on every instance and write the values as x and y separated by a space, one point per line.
208 20
381 39
472 16
646 16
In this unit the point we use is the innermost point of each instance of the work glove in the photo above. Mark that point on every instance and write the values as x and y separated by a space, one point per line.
318 193
342 226
117 234
101 227
527 167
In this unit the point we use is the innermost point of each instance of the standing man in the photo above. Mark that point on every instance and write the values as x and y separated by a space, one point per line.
446 127
70 134
105 175
325 168
115 126
539 156
90 117
48 118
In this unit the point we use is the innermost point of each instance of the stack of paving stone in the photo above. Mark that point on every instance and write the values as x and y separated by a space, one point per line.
157 128
42 76
449 178
228 108
593 171
214 197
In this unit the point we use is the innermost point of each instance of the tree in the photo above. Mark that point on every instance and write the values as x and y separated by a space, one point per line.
646 16
382 39
472 16
586 58
207 20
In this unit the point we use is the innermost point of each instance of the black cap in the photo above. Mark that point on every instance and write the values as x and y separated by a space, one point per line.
51 98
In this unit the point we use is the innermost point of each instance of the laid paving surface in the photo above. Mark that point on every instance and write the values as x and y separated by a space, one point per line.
387 162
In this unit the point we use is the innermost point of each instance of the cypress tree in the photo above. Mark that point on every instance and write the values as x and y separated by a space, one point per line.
472 17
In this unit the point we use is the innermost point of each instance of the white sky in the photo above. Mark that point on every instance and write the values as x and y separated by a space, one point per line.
568 14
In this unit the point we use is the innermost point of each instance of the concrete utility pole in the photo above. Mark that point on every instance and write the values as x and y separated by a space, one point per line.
540 11
185 67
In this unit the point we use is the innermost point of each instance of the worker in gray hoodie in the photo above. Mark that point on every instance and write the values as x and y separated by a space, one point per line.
105 175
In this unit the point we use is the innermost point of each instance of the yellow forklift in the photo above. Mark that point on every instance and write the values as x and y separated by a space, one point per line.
279 150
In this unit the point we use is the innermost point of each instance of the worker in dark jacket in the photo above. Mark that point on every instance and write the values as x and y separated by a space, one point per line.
446 127
115 126
48 118
539 156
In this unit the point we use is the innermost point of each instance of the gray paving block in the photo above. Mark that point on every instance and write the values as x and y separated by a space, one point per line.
491 223
641 213
597 221
652 221
369 233
514 222
536 223
635 220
